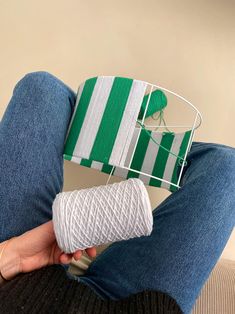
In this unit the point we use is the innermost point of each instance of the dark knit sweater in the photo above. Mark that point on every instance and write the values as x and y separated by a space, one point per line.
49 290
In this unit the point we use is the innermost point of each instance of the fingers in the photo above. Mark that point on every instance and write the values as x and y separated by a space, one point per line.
77 255
91 251
65 258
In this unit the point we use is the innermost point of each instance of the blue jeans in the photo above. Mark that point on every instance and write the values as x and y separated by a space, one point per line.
191 226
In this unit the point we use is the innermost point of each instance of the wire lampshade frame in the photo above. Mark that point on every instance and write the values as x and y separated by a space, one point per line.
195 125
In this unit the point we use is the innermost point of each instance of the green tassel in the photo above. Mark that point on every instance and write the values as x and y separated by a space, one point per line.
157 102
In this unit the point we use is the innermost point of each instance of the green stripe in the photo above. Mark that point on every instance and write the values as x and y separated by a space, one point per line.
107 168
162 156
139 155
112 116
177 168
79 116
67 157
86 162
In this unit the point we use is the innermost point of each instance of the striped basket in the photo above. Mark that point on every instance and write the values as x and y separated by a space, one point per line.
103 134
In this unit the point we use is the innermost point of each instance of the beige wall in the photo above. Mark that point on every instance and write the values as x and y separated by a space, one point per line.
187 46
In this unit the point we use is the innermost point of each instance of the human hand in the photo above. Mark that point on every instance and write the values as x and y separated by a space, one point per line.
35 249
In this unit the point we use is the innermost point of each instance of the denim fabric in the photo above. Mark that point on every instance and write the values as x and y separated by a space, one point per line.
32 134
191 226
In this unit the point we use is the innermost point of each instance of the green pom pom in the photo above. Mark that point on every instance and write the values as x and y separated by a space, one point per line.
157 102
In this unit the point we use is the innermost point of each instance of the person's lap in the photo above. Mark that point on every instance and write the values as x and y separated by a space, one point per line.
191 227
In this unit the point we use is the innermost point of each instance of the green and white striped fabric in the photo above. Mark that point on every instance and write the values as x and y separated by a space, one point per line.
104 120
149 158
102 133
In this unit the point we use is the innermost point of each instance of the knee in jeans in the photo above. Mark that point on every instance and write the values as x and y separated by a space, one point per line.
41 82
225 172
223 161
38 76
214 163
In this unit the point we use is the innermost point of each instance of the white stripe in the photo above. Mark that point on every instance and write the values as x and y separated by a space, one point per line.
127 125
77 160
93 116
170 164
132 147
120 172
79 93
150 157
97 165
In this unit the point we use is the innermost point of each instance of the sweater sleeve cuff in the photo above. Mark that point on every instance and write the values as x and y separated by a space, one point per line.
2 280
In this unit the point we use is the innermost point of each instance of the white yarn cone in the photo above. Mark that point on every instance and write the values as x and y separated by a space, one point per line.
98 215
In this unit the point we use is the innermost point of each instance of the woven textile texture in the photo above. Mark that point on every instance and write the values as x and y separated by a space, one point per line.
102 214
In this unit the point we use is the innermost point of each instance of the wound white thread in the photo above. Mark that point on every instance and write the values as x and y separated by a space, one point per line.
99 215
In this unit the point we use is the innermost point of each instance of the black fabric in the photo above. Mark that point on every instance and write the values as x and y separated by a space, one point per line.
49 290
